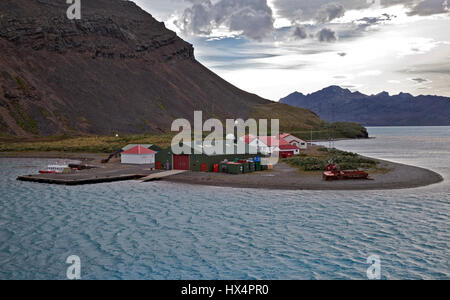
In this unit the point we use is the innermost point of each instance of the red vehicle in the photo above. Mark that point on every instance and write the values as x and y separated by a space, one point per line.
332 172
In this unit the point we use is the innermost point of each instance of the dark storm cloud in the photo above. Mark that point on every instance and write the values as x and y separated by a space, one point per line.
319 10
329 12
253 18
300 33
305 10
326 35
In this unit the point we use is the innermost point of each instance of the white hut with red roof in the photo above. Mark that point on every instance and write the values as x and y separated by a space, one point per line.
138 155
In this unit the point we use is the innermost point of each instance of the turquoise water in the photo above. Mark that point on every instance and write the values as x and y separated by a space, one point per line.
132 230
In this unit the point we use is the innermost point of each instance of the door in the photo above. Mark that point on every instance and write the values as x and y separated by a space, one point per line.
181 162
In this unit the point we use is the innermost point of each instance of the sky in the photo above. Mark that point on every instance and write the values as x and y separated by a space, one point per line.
276 47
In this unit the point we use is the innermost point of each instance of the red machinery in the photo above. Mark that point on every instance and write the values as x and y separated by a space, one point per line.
332 172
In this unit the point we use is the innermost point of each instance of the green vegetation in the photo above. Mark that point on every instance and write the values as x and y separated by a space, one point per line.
64 120
160 104
291 118
86 144
302 122
318 161
341 130
23 119
45 113
21 84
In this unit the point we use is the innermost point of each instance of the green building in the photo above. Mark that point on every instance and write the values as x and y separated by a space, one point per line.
165 159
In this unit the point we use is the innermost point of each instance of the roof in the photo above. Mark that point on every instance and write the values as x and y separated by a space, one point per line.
270 140
191 147
285 145
285 135
248 138
130 146
139 150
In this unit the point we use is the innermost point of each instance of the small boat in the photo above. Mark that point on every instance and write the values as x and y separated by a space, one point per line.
55 169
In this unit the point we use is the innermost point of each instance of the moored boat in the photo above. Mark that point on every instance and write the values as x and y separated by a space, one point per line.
55 169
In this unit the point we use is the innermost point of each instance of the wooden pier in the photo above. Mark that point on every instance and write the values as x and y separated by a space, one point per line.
160 175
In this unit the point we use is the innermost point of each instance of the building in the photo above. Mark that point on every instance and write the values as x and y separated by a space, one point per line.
293 140
191 161
271 144
128 147
138 155
287 150
264 144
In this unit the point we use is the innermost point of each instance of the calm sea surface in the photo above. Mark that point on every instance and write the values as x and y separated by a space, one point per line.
132 230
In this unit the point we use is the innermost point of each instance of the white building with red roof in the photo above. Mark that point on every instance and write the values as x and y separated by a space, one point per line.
138 155
271 144
293 140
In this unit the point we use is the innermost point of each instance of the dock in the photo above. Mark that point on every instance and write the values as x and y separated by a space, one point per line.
89 176
160 175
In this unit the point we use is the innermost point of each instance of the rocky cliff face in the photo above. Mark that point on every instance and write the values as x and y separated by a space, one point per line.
116 69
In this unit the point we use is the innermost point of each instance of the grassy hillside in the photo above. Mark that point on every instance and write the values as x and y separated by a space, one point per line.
297 121
87 144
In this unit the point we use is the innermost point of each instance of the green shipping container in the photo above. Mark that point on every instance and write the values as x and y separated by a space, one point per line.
246 168
235 168
223 168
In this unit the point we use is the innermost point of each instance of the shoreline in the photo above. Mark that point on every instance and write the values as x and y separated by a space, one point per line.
284 177
387 176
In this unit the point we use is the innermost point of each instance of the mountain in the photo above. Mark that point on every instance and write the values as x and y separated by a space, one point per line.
335 103
117 69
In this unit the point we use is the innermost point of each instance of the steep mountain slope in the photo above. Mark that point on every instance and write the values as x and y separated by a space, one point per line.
116 69
337 104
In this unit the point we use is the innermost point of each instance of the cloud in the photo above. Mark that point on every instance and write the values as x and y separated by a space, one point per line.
420 80
252 18
300 33
430 7
326 35
329 12
318 10
326 10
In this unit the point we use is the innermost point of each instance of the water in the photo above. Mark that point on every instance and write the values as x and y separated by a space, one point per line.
131 230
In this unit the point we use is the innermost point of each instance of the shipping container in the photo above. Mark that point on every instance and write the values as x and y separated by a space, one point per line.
235 168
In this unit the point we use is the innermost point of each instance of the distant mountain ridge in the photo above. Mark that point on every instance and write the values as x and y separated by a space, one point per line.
338 104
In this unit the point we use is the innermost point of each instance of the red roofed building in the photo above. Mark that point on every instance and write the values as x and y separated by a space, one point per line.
138 155
287 150
270 144
293 140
